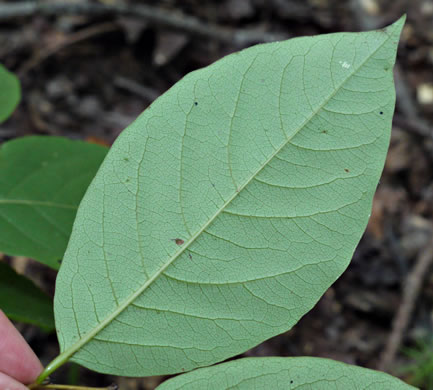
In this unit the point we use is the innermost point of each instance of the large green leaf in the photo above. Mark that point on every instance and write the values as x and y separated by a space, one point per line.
10 93
224 212
42 181
22 301
300 373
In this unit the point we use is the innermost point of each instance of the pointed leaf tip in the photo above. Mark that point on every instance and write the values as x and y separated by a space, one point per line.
265 185
397 26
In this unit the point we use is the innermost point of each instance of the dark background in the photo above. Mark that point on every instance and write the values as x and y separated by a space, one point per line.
87 73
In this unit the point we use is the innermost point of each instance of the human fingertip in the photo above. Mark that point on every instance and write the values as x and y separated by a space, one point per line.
17 359
8 383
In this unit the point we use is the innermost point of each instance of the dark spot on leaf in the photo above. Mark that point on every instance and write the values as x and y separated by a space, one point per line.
324 132
291 381
127 180
346 170
59 261
195 104
179 241
381 113
189 255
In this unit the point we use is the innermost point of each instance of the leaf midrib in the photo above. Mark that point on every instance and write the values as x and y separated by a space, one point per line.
75 347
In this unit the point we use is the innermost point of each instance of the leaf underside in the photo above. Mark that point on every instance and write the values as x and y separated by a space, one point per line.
42 181
224 212
284 374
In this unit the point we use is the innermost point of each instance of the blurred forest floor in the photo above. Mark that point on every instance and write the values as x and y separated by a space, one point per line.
88 75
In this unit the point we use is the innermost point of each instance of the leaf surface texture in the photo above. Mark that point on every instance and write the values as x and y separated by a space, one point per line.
224 212
300 373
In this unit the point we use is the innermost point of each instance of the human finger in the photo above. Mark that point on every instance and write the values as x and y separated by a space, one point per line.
8 383
17 360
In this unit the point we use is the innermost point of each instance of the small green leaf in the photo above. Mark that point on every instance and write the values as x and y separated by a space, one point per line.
10 93
284 374
42 181
22 301
225 211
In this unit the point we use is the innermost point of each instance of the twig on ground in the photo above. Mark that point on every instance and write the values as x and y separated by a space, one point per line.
419 128
154 15
147 93
411 289
414 121
67 41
